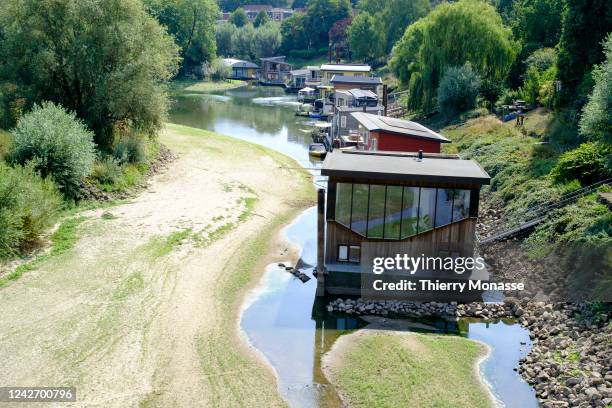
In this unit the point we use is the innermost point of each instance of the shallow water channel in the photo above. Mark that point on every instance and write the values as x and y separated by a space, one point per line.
281 318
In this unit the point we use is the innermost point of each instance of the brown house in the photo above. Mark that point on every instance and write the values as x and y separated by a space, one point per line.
380 204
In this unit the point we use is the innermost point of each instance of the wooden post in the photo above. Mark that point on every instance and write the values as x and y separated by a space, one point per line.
385 96
321 242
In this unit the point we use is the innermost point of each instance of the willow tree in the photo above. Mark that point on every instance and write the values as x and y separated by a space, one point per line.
453 34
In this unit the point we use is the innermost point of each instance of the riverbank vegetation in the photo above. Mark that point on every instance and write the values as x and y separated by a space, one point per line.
427 370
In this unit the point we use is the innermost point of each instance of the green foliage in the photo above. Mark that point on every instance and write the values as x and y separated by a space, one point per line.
261 19
365 36
248 42
239 18
225 34
585 25
536 24
130 150
218 70
596 120
538 85
589 163
58 145
106 60
310 30
5 144
458 90
106 171
192 24
452 35
28 205
396 15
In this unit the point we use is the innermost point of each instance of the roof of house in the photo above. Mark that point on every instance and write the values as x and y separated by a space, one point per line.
345 79
280 58
346 67
397 126
256 7
435 168
297 72
236 63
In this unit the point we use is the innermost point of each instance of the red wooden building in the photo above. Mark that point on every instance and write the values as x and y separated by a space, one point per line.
391 134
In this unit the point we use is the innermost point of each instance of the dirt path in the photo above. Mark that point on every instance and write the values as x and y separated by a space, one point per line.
142 311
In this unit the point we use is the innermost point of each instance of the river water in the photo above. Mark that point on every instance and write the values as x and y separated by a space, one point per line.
282 319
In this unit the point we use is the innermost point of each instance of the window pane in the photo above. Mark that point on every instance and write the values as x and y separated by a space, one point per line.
427 209
444 206
409 211
393 212
461 205
376 215
355 253
343 253
343 203
360 208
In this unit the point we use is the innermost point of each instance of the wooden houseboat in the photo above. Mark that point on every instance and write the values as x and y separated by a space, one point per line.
274 71
392 134
381 204
347 102
241 69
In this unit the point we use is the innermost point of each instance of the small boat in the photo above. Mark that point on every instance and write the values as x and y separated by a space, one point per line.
317 150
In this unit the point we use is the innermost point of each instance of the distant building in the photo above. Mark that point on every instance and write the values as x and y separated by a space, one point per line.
274 71
390 134
357 70
345 82
251 10
242 69
344 126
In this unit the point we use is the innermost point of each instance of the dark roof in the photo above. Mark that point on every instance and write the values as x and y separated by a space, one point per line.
435 168
346 79
397 126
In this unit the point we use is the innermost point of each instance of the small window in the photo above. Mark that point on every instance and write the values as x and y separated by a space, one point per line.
343 121
355 253
343 253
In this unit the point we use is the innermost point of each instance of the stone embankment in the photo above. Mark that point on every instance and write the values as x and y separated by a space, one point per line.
570 363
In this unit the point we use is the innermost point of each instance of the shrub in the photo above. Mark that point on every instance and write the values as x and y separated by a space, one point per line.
57 143
5 144
130 150
28 205
106 171
218 70
588 164
458 89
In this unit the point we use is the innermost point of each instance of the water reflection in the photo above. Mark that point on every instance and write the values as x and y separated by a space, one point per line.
263 115
293 330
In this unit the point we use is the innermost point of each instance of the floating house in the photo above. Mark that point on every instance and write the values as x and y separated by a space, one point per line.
357 70
391 134
344 82
344 125
242 69
380 204
274 71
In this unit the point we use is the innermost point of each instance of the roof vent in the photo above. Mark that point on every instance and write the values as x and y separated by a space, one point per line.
420 156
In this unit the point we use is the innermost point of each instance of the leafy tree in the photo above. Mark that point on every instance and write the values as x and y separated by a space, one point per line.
585 24
261 19
218 70
294 33
244 42
366 37
596 120
536 24
458 90
192 24
56 143
538 85
239 18
452 35
338 38
299 4
267 40
106 60
225 34
321 16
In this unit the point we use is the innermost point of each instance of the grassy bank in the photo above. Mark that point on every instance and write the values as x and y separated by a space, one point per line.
205 86
390 369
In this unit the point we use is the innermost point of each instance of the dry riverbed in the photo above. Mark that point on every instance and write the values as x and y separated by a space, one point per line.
143 310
